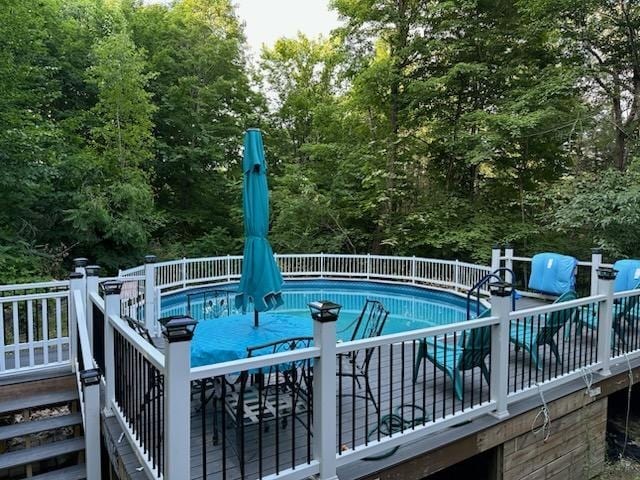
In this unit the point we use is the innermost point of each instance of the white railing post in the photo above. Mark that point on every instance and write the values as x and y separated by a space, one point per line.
368 265
228 268
496 250
508 263
93 278
184 272
596 261
500 307
79 264
413 269
76 282
157 308
90 379
321 265
178 333
606 278
324 389
456 275
149 292
112 291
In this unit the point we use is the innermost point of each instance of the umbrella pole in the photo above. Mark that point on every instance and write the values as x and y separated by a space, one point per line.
255 318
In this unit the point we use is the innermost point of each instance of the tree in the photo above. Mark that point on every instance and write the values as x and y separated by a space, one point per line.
205 102
602 37
113 212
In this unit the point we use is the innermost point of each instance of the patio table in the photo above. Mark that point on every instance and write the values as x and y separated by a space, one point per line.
226 338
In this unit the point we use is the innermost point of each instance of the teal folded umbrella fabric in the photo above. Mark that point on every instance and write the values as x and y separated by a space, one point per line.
261 281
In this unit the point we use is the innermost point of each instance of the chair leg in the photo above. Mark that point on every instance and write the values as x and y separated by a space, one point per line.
554 349
419 359
533 351
485 371
370 394
456 376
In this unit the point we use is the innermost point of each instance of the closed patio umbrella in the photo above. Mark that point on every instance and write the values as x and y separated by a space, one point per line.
261 281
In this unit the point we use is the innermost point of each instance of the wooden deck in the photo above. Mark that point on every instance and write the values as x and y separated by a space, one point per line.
274 448
391 371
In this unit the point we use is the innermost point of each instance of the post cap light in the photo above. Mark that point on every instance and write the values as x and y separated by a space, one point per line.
324 310
92 270
150 259
178 328
111 287
90 377
597 250
607 273
80 262
500 289
75 275
496 246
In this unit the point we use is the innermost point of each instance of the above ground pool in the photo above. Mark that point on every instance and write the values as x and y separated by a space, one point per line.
409 307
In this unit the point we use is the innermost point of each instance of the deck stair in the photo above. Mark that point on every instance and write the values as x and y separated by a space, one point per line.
41 430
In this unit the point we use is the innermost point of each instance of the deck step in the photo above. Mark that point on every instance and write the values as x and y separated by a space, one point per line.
41 452
42 425
77 472
38 400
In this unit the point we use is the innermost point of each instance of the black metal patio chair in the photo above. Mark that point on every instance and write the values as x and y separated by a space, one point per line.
271 395
369 324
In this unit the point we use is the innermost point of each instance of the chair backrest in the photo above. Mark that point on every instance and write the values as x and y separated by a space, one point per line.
628 276
370 324
139 329
476 345
553 273
626 305
371 320
293 377
556 320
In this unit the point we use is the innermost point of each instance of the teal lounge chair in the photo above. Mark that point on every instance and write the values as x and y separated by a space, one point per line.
530 337
622 312
469 353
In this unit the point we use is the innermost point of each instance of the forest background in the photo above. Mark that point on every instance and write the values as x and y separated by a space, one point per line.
428 128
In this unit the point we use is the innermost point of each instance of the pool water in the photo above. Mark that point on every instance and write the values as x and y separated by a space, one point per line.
410 308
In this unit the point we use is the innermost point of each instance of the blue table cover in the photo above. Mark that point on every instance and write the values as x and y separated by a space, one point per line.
227 338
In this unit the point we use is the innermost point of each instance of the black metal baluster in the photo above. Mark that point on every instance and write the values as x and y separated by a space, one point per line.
444 378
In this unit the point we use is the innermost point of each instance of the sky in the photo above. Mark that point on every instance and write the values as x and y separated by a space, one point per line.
268 20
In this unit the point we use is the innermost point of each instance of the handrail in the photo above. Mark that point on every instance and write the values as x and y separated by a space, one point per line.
395 338
35 286
483 281
83 334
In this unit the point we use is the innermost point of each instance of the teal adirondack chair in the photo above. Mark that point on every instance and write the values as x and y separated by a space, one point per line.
469 353
622 311
529 337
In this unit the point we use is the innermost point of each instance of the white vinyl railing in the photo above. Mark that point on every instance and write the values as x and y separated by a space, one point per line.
444 273
34 326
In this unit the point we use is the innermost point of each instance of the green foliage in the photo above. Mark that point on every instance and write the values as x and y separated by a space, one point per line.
603 207
416 128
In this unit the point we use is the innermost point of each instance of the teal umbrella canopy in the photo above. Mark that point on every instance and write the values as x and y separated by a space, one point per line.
261 281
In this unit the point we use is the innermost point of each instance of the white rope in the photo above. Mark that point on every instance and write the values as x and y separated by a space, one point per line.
626 422
587 376
545 428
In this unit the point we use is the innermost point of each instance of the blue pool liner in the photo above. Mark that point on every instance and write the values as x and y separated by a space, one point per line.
628 274
553 273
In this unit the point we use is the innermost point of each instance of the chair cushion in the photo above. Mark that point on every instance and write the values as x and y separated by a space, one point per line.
552 273
628 277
